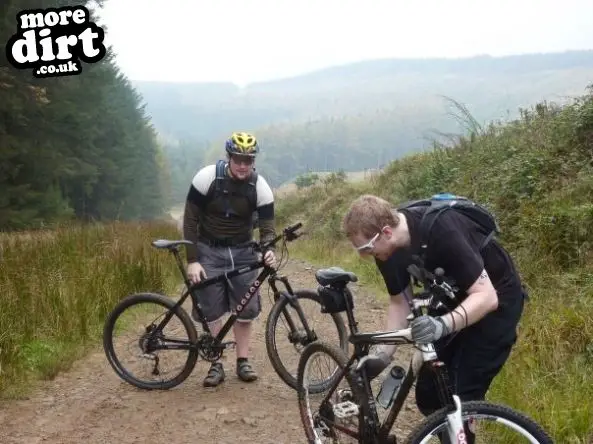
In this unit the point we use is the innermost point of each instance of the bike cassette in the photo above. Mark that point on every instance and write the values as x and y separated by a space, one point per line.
345 409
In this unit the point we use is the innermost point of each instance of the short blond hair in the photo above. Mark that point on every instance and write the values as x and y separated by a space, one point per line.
367 215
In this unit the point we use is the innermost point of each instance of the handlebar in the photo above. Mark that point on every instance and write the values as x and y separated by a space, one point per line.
434 281
288 233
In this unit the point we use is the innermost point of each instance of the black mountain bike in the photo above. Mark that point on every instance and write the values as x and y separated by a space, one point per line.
352 411
153 338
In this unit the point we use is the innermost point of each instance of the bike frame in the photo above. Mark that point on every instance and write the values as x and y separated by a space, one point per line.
425 353
267 273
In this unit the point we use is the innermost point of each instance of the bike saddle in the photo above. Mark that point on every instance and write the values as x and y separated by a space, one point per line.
164 243
332 275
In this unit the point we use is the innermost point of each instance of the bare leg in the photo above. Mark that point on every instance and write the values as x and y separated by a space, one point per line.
215 326
242 332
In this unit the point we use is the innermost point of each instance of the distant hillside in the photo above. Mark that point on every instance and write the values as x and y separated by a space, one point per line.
208 110
355 116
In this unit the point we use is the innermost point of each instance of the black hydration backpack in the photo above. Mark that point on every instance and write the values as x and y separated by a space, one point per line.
441 202
218 188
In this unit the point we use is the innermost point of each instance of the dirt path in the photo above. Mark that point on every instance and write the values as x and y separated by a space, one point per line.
90 404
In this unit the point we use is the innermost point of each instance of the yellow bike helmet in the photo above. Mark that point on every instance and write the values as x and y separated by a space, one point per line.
243 144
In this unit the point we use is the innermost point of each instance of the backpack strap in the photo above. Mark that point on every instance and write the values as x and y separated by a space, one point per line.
426 222
219 184
220 167
487 240
252 190
426 226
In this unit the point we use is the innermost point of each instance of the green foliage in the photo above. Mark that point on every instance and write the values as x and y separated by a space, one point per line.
184 158
306 180
536 174
74 147
58 286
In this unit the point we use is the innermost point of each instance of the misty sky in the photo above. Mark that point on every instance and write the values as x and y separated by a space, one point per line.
252 40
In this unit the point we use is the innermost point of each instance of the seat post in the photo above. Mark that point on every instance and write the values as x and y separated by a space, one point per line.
175 252
350 310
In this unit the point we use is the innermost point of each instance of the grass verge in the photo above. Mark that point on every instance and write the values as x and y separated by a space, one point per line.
58 285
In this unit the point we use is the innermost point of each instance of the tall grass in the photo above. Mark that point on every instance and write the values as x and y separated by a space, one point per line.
536 174
57 286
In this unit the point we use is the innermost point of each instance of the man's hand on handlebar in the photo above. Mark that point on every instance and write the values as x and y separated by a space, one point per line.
427 329
270 258
195 272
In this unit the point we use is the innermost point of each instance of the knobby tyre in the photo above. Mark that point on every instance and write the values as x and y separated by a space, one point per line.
275 316
309 417
522 424
167 304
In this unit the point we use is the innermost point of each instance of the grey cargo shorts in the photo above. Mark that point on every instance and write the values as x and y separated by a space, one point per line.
218 299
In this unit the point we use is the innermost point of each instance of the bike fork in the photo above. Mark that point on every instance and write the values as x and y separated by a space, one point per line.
294 302
455 424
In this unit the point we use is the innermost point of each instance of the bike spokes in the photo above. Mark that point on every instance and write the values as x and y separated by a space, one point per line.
334 420
145 352
482 423
290 335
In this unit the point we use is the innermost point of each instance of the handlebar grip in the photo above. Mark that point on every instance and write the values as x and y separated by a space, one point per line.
294 227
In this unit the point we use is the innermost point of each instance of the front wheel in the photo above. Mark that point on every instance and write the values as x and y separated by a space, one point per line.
285 323
132 327
486 423
340 417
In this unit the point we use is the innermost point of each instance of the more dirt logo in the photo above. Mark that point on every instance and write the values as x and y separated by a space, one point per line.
53 41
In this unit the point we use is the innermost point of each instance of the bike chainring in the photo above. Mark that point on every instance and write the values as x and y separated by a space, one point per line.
326 412
209 348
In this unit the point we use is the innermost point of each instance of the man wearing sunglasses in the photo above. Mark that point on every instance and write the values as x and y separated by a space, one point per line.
476 337
218 219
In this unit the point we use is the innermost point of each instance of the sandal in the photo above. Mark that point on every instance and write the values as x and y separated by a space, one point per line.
245 372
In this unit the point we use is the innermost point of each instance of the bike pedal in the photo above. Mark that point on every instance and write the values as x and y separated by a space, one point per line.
345 409
230 344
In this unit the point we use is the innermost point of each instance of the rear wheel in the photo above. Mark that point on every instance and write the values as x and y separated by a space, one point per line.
131 327
285 324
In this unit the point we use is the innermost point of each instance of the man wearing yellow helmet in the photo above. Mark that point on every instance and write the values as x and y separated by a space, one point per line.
218 219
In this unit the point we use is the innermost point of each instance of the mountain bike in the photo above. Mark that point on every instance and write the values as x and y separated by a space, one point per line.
355 402
152 338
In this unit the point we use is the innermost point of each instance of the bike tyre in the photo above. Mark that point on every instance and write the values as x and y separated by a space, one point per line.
119 369
341 359
272 321
499 411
